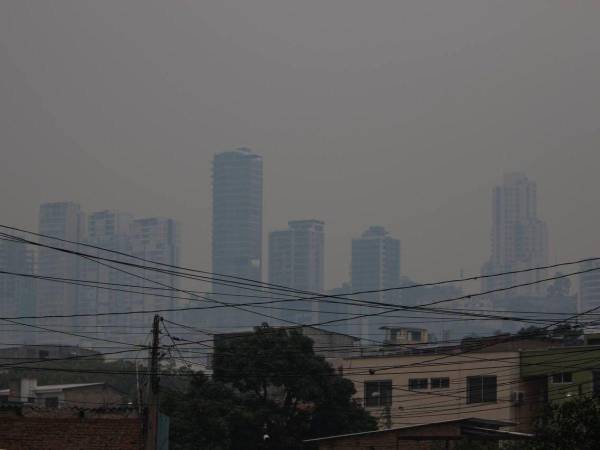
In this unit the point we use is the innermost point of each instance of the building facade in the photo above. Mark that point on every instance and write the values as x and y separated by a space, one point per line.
237 182
375 267
297 261
63 220
413 389
519 238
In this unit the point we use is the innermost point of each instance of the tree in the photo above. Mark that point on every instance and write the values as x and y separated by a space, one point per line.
573 425
202 416
269 383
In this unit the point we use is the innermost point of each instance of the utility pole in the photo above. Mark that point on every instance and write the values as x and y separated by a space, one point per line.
153 388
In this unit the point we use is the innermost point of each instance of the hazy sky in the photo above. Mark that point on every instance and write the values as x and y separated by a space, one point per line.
391 112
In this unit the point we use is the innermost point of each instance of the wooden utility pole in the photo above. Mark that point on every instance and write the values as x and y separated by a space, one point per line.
153 388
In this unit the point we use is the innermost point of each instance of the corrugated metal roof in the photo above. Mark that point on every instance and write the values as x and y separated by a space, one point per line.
63 387
472 421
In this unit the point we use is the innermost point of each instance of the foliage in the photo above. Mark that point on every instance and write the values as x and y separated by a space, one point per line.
573 425
267 383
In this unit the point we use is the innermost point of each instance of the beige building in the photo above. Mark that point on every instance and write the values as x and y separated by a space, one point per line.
402 390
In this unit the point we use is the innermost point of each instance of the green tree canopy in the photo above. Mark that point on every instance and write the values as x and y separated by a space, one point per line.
267 383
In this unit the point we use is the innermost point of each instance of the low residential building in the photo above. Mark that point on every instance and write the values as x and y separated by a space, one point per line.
86 395
480 379
403 390
405 336
557 374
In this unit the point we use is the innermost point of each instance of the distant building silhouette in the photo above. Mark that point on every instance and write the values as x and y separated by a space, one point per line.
336 308
297 260
157 239
17 294
519 239
237 182
109 230
375 266
63 220
589 286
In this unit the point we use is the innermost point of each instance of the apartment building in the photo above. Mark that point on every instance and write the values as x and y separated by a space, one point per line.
446 383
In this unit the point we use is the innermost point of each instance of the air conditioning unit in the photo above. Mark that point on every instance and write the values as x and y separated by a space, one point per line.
517 397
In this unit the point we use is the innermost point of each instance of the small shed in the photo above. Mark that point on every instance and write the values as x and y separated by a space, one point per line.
430 436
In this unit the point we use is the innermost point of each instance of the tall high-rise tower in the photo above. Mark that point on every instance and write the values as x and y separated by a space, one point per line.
157 239
296 260
375 266
63 220
110 230
17 294
519 239
237 181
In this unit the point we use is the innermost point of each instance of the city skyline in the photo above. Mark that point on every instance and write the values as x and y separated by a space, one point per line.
387 115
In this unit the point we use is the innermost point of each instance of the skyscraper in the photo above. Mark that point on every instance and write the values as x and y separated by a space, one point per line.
63 220
110 230
296 260
237 182
156 239
17 294
375 266
519 239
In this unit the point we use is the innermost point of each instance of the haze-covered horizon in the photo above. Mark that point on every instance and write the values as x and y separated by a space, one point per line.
400 114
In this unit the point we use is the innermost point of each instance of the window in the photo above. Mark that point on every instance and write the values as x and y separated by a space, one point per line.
378 393
417 383
415 335
481 389
440 383
52 402
561 378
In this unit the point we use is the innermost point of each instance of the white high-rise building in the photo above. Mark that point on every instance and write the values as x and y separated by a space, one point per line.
519 238
64 220
297 260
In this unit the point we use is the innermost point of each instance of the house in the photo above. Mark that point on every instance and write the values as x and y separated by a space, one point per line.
557 374
430 436
27 390
440 383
